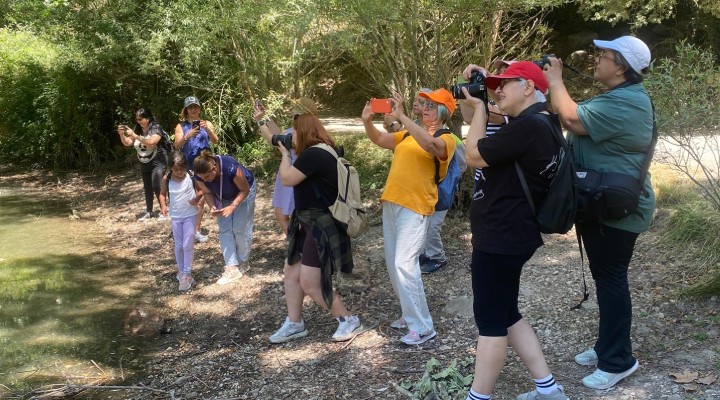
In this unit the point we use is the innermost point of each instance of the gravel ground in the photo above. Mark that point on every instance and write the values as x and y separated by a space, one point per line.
217 345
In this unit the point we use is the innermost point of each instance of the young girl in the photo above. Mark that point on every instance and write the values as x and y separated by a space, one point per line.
184 196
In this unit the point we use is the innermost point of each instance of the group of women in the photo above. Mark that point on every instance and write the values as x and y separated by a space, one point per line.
610 132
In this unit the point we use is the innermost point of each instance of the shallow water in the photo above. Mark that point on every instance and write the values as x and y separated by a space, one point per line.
62 302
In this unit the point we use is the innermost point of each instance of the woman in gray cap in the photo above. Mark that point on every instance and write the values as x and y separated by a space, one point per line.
193 135
611 132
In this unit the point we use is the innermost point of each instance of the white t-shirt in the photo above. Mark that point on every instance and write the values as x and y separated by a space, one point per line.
180 194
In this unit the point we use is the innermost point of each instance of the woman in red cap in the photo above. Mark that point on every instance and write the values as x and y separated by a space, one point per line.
409 200
505 233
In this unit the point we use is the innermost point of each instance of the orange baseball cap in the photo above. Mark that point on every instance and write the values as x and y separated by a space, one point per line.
442 96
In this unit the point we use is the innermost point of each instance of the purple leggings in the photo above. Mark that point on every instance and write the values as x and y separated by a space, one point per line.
184 235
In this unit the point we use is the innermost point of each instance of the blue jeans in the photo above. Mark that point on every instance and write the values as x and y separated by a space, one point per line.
404 235
236 231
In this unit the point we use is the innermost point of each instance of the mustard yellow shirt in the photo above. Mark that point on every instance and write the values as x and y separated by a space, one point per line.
411 180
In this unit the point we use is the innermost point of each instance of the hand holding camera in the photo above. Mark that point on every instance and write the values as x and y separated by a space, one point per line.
124 130
475 86
284 140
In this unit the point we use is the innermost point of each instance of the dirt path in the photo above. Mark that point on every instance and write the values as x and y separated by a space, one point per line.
218 344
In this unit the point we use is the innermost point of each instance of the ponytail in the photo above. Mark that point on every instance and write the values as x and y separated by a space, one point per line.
204 162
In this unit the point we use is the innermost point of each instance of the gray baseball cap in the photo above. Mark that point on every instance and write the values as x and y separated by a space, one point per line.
190 100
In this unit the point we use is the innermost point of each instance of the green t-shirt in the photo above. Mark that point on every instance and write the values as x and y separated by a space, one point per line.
620 127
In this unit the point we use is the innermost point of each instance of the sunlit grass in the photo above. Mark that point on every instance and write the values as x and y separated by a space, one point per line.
693 224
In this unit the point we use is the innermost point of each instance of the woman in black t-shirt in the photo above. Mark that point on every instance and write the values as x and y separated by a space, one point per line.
151 144
505 233
318 244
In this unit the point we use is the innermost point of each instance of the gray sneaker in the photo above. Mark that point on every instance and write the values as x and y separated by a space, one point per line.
145 217
230 274
558 394
186 283
289 331
399 323
348 328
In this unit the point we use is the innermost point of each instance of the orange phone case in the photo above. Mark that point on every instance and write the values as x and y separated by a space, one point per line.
382 106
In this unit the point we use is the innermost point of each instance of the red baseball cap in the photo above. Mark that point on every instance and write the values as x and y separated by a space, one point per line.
521 69
441 96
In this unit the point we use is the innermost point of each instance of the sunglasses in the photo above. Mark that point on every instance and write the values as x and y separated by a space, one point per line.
430 105
504 82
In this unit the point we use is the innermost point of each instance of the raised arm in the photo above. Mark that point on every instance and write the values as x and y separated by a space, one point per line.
384 140
562 103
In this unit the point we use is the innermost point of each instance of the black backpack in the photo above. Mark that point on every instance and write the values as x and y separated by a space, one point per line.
556 214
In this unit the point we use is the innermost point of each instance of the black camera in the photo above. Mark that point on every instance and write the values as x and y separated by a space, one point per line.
544 60
286 141
476 87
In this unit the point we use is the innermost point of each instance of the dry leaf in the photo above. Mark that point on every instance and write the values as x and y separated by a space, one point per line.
707 380
685 376
691 387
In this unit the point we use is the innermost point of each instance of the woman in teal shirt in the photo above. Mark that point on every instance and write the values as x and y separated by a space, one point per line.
611 133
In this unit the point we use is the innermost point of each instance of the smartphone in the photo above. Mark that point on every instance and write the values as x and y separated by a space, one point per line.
216 211
381 106
196 123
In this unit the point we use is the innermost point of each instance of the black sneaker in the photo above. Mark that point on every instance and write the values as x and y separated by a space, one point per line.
432 265
423 259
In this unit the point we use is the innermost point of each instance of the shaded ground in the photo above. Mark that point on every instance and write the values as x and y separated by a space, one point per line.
217 346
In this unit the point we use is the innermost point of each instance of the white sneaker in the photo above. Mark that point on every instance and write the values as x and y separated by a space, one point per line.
348 328
289 331
587 357
200 238
230 274
145 216
601 380
162 217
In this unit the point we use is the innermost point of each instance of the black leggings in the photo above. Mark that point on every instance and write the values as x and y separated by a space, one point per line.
496 285
152 180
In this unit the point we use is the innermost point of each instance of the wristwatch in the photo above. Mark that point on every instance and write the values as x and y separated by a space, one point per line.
262 122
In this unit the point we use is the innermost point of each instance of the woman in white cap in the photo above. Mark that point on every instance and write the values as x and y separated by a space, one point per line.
420 160
611 133
193 135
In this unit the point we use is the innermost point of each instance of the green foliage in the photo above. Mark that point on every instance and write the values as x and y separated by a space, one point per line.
441 383
686 93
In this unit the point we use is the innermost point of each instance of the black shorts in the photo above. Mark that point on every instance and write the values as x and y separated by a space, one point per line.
309 255
496 285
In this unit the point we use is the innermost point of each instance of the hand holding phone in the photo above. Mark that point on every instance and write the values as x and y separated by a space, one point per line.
196 123
381 106
216 212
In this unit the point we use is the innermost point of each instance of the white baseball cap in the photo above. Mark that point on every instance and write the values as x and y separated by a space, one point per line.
633 49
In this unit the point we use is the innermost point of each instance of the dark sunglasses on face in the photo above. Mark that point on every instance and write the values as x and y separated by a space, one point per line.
430 105
504 82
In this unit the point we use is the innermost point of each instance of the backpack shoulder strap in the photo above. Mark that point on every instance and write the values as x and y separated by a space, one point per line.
327 148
